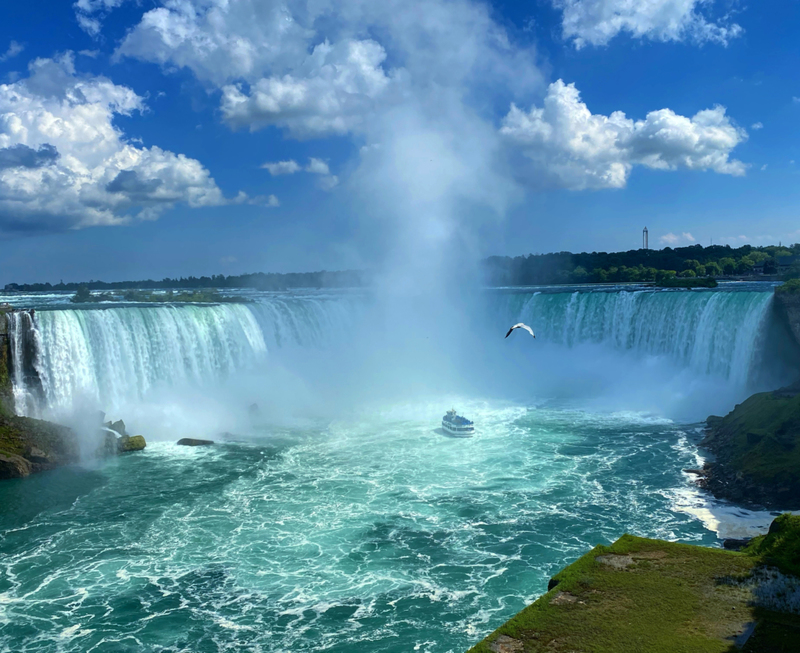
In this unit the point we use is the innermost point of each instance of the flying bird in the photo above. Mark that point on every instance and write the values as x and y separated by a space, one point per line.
520 325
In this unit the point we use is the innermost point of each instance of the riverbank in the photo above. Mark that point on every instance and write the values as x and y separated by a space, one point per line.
650 595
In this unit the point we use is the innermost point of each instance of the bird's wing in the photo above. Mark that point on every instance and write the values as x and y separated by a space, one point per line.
509 331
528 329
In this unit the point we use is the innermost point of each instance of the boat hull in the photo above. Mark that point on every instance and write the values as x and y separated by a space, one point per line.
449 430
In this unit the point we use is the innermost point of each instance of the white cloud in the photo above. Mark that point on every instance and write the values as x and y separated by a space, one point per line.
332 97
272 202
315 166
796 99
568 146
671 239
14 49
68 166
318 167
764 167
756 126
596 22
282 167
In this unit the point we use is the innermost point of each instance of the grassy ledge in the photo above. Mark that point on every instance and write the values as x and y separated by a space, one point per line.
649 596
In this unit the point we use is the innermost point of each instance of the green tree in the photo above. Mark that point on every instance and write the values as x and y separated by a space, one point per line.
687 273
701 271
713 269
580 275
81 296
745 265
728 265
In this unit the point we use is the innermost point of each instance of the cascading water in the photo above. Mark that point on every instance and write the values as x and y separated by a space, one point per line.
25 348
717 333
109 356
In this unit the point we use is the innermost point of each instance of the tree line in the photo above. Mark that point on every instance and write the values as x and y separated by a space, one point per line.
656 265
258 281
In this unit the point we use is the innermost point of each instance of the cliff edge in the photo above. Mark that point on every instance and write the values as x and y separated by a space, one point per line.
661 597
757 450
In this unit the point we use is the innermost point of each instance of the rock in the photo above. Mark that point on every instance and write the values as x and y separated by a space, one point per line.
118 426
108 445
562 598
615 560
698 472
192 442
36 455
552 584
733 544
506 644
131 443
12 466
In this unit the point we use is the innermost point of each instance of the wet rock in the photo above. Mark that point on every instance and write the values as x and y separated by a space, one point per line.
118 426
12 466
131 443
733 544
506 644
36 455
193 442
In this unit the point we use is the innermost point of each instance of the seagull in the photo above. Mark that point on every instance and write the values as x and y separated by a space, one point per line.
520 325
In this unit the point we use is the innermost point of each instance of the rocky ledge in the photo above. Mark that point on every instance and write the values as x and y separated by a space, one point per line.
757 451
662 597
30 445
33 445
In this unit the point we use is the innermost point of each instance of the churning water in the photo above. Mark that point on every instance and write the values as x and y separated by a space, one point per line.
363 529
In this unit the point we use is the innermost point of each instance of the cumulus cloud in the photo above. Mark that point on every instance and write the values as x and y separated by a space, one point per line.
14 49
756 126
568 146
63 163
596 22
671 239
281 167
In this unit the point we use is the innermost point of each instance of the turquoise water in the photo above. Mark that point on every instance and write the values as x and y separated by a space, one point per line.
374 533
337 518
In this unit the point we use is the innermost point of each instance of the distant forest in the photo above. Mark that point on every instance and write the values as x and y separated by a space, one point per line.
637 265
259 281
657 265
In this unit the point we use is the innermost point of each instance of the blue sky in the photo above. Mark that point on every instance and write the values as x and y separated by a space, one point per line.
177 137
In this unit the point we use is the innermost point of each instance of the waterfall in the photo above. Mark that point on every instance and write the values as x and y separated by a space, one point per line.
24 345
106 356
111 356
716 333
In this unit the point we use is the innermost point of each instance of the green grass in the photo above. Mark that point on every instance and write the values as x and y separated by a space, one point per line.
671 598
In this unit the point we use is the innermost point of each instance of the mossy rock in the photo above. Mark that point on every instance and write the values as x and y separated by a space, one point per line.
131 443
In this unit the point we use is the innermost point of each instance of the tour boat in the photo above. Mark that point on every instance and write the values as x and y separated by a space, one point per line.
456 425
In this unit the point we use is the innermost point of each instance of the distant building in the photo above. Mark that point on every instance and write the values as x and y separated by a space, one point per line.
784 263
